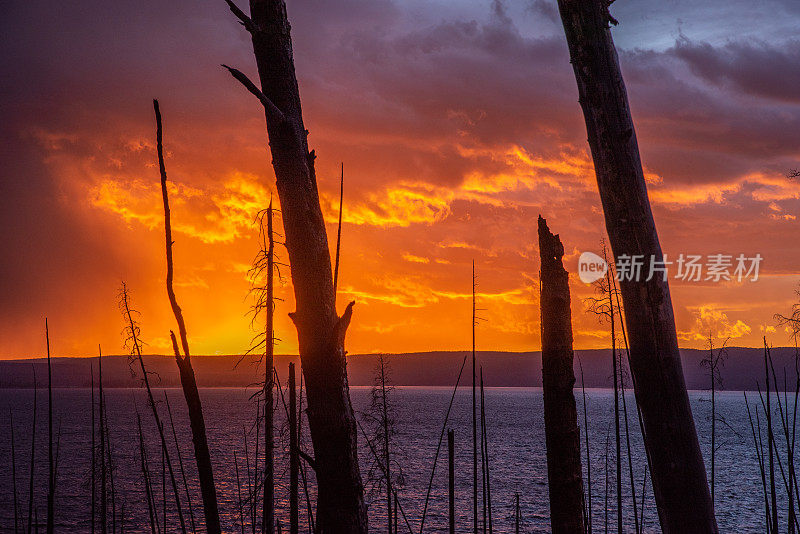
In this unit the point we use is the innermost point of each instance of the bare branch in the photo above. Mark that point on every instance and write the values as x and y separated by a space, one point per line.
344 322
273 113
339 233
245 21
175 346
309 460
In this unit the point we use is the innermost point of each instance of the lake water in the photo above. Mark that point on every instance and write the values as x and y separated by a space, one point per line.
516 442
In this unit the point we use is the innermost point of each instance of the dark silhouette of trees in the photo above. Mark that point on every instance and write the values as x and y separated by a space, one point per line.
14 471
677 471
51 478
133 340
294 456
714 363
384 473
474 415
33 454
451 481
603 307
320 331
262 276
562 436
188 382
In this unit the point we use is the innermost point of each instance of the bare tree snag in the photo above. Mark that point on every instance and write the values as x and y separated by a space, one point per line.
677 471
188 382
339 233
132 332
294 457
451 480
51 478
14 472
562 436
320 331
268 503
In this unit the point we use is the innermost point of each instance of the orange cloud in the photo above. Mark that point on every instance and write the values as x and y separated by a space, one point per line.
711 321
399 206
212 215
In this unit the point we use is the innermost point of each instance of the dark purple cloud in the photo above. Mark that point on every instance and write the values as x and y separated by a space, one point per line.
760 69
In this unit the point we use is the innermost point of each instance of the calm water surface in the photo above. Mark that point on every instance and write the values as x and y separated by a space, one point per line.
517 457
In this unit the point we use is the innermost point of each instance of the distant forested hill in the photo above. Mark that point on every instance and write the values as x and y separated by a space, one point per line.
742 369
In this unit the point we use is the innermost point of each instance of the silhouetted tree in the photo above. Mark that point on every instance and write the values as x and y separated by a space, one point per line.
93 475
294 456
14 470
439 446
51 478
180 464
384 473
451 481
31 518
562 437
148 492
262 276
188 382
677 470
320 331
133 341
714 363
588 508
474 414
603 307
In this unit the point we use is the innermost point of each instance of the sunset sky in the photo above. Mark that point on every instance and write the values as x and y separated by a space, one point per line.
458 124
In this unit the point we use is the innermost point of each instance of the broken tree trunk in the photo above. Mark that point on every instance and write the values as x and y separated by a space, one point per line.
188 382
560 415
678 475
320 330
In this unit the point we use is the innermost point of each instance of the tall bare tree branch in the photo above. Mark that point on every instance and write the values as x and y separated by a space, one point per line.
188 382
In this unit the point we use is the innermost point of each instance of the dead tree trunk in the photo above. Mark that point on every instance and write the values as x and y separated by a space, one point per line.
92 506
678 475
560 415
101 414
294 456
451 480
268 503
14 473
320 330
474 417
51 479
133 332
188 382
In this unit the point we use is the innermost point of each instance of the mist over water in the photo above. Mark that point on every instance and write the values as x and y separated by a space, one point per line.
517 458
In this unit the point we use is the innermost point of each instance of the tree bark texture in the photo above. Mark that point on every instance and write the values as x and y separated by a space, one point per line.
320 331
562 436
677 471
